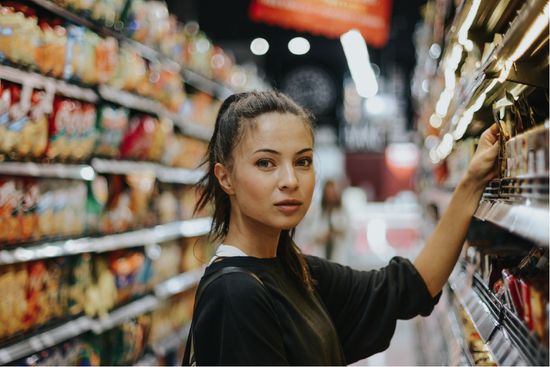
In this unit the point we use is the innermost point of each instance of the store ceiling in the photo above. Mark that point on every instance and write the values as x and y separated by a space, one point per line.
227 24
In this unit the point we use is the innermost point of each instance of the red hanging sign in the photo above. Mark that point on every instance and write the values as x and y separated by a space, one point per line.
329 18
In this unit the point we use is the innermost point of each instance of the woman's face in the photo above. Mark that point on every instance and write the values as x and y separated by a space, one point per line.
272 173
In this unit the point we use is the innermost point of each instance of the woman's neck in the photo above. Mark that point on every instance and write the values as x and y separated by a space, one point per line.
253 238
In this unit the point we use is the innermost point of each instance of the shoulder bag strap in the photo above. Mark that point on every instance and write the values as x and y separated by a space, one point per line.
189 355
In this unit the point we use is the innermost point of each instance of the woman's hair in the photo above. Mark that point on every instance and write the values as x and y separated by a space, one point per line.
236 114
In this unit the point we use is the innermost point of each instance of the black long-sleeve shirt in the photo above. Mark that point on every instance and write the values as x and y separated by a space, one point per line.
350 316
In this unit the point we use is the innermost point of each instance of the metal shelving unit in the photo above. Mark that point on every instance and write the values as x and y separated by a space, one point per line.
191 78
84 324
161 233
527 221
45 340
507 337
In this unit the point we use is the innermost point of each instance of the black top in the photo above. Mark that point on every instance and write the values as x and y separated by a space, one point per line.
351 316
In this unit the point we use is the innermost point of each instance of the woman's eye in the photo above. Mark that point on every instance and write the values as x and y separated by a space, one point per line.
264 163
304 162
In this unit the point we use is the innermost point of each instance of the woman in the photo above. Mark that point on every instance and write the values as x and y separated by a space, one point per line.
329 228
260 301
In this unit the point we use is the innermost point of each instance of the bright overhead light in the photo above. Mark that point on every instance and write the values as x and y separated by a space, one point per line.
259 46
359 65
298 46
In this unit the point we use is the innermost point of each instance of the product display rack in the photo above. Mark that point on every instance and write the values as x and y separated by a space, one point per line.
84 324
192 78
492 52
510 341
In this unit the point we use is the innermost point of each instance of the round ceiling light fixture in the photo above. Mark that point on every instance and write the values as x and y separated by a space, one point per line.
298 46
259 46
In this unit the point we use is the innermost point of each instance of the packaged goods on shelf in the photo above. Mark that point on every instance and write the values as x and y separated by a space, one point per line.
519 281
112 123
24 120
527 153
184 152
72 133
74 352
176 203
31 209
477 348
129 203
170 318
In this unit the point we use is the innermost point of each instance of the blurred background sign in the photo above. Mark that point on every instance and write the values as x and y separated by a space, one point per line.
328 18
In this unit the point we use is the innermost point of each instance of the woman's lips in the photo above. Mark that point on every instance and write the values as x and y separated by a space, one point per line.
289 206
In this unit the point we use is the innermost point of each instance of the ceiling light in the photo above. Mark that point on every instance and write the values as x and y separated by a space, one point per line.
259 46
298 46
357 56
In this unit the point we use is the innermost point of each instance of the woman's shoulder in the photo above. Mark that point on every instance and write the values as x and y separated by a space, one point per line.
231 280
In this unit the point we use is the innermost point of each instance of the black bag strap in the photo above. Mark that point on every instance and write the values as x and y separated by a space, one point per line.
189 355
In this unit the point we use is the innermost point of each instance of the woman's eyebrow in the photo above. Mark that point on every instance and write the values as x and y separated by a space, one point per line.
272 151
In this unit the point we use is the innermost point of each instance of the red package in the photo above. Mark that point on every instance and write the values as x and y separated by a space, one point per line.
526 298
514 292
139 138
62 127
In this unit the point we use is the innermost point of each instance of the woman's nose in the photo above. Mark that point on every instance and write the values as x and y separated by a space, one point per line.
288 179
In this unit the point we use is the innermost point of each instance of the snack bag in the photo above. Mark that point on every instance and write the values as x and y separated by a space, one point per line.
18 30
137 142
85 134
61 126
20 98
10 202
112 124
51 51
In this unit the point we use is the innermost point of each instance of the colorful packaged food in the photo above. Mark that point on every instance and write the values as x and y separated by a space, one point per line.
139 138
50 53
112 124
18 30
11 195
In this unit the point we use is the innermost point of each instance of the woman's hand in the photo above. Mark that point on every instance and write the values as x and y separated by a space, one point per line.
482 168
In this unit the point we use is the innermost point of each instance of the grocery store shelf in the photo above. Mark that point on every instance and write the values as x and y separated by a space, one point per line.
457 332
76 18
57 170
526 221
209 86
45 340
507 337
130 100
515 34
171 342
179 283
158 234
124 313
194 130
191 78
42 82
163 173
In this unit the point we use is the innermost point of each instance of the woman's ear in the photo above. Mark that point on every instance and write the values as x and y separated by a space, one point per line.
224 178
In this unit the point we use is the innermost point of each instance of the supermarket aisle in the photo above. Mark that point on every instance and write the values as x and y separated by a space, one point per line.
397 233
